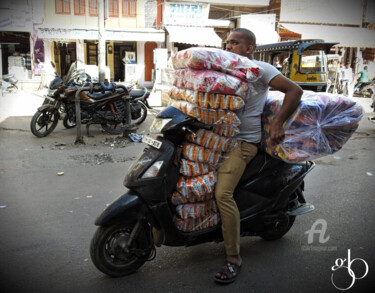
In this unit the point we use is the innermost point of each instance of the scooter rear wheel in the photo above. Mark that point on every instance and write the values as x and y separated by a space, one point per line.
110 252
280 230
43 123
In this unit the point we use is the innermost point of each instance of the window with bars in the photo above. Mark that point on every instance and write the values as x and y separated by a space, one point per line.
79 7
93 7
62 6
129 8
113 8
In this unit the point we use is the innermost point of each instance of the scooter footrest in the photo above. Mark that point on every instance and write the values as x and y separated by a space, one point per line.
303 208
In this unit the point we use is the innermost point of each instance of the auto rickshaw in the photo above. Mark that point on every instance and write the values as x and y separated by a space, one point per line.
302 61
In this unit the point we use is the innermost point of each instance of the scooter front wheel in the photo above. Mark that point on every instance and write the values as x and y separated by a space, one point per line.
111 253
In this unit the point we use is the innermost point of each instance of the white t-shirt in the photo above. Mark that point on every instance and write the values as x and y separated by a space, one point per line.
250 115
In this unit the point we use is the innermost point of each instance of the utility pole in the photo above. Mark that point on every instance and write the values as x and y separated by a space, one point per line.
101 38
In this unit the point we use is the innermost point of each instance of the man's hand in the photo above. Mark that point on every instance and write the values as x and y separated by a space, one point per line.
277 133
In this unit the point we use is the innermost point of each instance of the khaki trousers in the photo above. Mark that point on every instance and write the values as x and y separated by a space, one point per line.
229 174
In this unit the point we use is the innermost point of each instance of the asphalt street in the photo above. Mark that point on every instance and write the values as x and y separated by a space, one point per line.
47 220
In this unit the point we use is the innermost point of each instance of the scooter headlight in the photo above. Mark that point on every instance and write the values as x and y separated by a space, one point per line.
153 170
158 124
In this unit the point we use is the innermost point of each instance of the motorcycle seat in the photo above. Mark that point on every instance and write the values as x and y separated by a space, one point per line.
137 93
261 162
98 96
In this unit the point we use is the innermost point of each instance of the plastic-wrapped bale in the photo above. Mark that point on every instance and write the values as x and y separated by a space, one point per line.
217 59
196 210
196 224
320 126
206 81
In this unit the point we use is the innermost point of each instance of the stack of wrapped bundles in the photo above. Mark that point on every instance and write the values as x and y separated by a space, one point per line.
208 84
320 126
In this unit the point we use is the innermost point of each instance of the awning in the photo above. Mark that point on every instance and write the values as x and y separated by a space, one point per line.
202 36
111 34
345 36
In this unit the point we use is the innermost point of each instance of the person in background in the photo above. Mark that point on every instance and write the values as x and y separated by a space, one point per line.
363 77
347 81
243 42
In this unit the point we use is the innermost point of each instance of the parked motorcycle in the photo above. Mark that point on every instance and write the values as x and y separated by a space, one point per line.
366 89
269 197
9 83
103 104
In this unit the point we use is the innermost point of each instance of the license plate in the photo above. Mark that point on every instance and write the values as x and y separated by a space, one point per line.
152 142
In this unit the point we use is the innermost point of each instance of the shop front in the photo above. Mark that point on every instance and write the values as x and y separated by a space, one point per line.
127 51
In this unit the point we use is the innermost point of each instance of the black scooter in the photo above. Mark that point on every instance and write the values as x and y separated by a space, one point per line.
269 196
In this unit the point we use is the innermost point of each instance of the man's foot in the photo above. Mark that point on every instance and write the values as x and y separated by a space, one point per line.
228 273
230 270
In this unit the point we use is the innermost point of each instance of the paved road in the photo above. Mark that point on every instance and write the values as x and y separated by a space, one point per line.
47 220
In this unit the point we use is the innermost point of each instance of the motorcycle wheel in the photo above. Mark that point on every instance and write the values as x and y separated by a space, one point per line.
68 123
143 115
280 230
43 123
107 250
115 128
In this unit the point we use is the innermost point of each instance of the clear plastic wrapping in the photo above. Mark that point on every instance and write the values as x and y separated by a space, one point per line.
196 224
320 126
207 116
217 59
207 100
206 81
196 210
209 139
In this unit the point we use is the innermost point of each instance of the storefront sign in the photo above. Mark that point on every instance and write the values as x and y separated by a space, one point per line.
188 14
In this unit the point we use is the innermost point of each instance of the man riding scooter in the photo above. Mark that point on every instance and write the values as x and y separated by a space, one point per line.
243 42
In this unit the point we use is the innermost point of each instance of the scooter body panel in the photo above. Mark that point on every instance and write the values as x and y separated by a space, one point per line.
127 206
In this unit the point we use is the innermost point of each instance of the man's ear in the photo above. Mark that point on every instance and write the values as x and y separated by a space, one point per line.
250 49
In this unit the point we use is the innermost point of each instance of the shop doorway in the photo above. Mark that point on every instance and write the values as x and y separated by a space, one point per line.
64 55
149 59
120 50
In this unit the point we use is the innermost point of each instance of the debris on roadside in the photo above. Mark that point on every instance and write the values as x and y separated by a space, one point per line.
136 137
60 173
116 142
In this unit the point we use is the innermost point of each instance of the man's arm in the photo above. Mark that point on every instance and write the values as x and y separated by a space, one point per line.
291 101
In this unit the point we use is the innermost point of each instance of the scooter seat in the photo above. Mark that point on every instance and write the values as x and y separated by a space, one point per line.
261 162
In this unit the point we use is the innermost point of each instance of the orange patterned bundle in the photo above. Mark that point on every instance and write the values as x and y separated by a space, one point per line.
208 139
197 153
207 100
178 198
191 168
196 210
207 116
198 186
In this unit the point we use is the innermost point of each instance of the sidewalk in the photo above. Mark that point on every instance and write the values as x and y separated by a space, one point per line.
22 103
